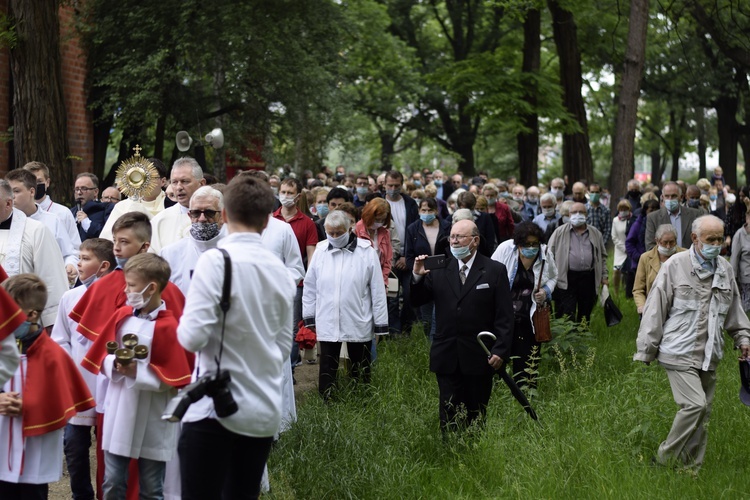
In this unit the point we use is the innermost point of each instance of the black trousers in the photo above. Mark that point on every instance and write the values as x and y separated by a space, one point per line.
23 491
217 463
463 398
520 352
359 354
579 299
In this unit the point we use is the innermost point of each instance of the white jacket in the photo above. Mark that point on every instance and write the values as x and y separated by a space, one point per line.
507 253
344 297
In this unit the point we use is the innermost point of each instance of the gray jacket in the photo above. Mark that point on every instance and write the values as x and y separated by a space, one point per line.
741 255
686 311
559 247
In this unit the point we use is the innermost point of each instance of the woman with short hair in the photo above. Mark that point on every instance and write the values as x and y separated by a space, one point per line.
650 262
344 300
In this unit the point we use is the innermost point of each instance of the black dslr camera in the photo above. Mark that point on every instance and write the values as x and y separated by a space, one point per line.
212 384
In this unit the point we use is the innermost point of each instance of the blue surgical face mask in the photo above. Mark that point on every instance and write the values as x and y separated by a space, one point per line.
594 197
23 330
491 201
461 253
671 205
393 192
694 202
321 209
338 241
121 261
710 252
427 218
529 252
438 182
362 191
418 183
712 197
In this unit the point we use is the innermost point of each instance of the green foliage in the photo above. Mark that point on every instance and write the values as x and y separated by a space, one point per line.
600 423
8 36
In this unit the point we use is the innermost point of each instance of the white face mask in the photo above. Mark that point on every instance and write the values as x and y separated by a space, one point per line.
548 212
578 220
667 252
338 241
287 201
136 300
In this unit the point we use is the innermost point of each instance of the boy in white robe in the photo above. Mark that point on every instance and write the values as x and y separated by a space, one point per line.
96 260
36 403
139 390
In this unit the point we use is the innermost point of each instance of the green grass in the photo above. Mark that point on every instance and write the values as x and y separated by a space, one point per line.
602 418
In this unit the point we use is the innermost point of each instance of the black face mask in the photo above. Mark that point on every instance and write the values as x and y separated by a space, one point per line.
634 194
41 191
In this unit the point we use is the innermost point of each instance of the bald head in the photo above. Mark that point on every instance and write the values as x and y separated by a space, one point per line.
579 192
464 233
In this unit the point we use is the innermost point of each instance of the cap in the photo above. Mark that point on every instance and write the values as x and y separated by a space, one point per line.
745 382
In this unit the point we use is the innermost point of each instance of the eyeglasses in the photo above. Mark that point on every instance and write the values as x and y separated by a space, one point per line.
196 214
83 189
456 237
110 199
531 245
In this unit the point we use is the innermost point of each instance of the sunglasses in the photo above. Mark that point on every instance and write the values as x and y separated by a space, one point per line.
196 214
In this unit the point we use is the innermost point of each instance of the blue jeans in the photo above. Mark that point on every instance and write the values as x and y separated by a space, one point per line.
76 443
427 313
151 472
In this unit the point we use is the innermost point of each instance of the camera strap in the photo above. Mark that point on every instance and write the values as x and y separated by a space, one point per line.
224 303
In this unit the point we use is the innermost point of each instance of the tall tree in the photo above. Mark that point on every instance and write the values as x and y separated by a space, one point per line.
577 162
528 139
39 116
623 166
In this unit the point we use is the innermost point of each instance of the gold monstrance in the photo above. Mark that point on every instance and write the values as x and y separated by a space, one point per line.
136 176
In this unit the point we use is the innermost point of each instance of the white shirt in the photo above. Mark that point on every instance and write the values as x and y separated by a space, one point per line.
66 217
76 345
37 456
133 406
398 214
9 358
70 255
40 255
344 297
258 335
278 238
169 226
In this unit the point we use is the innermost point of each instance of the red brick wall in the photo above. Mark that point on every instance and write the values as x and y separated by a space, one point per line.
80 126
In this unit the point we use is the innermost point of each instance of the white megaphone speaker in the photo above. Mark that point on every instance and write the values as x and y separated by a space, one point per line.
183 140
215 138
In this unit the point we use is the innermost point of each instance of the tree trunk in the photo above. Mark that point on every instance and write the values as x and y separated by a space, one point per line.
623 160
676 132
744 141
102 127
40 130
700 125
528 142
656 168
577 162
387 149
161 124
726 111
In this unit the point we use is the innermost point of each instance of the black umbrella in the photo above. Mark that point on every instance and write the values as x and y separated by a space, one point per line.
517 393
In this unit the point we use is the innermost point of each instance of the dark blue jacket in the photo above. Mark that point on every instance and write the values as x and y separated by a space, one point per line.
416 243
98 213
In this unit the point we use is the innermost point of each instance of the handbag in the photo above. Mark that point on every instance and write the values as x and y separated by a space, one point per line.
540 319
392 286
612 314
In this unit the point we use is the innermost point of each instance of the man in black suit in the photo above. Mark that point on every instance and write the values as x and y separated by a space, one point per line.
90 215
672 212
471 295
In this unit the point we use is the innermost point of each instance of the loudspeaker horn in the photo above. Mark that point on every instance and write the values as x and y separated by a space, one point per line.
183 140
215 138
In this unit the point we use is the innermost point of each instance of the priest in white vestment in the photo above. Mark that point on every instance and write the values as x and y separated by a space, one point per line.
27 246
173 224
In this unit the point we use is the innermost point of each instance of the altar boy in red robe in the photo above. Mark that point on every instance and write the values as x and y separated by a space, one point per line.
37 402
140 389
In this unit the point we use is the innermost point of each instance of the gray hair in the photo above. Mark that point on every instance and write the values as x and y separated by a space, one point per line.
462 214
338 218
191 163
208 192
548 197
6 192
697 227
565 207
663 230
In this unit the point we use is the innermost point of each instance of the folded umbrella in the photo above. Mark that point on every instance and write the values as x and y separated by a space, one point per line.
514 389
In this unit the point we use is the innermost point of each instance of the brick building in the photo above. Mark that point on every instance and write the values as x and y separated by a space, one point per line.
80 123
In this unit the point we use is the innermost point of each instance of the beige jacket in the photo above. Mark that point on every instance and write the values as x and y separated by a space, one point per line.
648 267
559 247
686 311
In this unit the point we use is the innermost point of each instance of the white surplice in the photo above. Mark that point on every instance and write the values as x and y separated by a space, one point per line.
169 226
150 208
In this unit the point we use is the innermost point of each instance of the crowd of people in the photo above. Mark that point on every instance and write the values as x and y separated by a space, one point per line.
110 307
